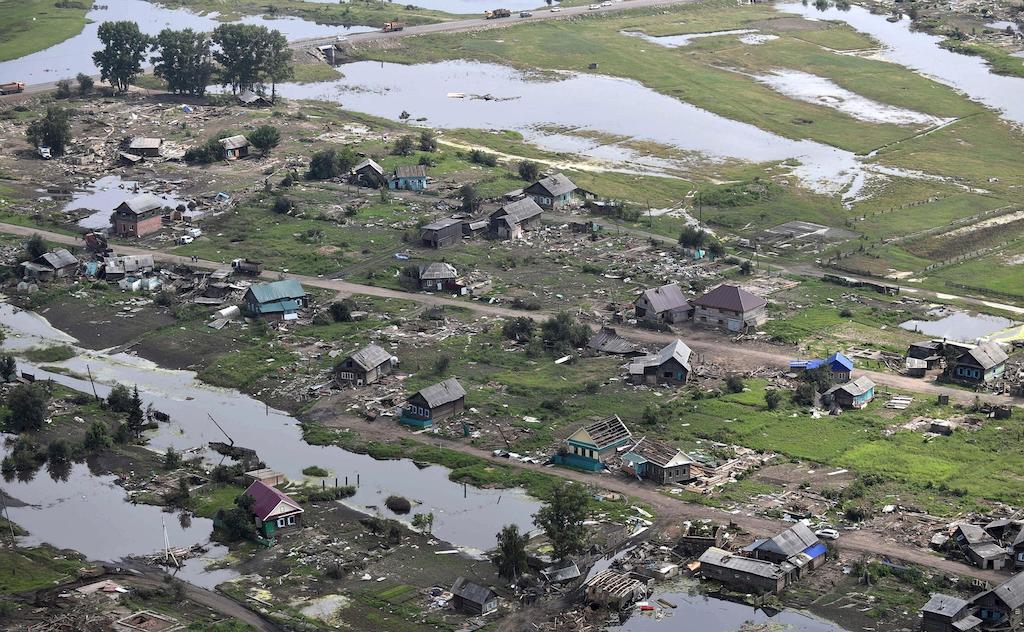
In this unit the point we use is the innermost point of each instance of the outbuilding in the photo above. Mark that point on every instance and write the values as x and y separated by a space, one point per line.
235 147
472 598
855 394
443 232
366 366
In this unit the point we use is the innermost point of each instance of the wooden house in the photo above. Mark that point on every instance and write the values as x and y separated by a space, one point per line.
656 461
472 598
590 446
368 174
273 511
138 216
552 192
614 590
979 547
56 264
409 178
840 366
944 613
433 404
665 304
928 351
979 365
441 233
280 299
1002 608
515 218
438 277
855 394
731 307
235 147
366 366
145 146
796 547
670 365
742 573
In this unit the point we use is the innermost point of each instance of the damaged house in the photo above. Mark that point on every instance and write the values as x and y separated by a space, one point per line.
614 590
1001 608
606 340
443 232
145 146
552 192
670 365
656 461
744 573
434 403
731 307
366 366
57 264
796 550
981 364
368 174
438 277
665 304
280 299
979 547
855 394
513 219
590 446
235 147
472 598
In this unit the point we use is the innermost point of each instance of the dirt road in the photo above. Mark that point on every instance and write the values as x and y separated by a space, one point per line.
713 345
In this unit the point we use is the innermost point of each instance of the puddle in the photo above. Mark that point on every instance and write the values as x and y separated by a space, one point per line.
676 41
524 104
107 193
756 39
1002 25
466 516
921 52
74 55
325 608
956 325
821 91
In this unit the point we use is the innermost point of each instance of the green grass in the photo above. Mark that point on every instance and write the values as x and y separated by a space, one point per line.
28 26
312 73
1000 61
209 498
374 13
49 354
34 568
243 368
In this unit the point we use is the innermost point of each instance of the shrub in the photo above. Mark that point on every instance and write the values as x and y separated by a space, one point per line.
264 138
97 437
325 494
330 163
519 328
483 158
734 383
529 170
64 89
315 471
282 205
398 504
85 83
341 312
428 141
772 399
403 146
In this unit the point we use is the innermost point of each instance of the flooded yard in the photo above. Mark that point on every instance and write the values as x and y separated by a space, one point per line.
676 41
957 325
104 195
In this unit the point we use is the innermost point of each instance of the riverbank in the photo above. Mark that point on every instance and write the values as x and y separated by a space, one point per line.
28 26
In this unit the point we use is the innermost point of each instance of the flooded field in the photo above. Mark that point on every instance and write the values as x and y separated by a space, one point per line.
960 326
921 52
676 41
465 516
104 195
74 55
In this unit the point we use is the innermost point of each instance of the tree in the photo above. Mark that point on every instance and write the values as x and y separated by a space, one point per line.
26 408
746 267
53 130
562 519
424 522
36 246
184 61
734 383
772 399
237 54
172 459
715 248
85 83
519 328
562 333
511 556
124 50
403 146
119 399
136 418
8 368
97 437
330 163
691 237
210 151
470 199
529 170
428 140
341 312
63 89
276 60
265 138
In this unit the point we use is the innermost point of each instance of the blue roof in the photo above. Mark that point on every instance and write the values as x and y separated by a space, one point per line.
840 359
276 291
815 550
286 305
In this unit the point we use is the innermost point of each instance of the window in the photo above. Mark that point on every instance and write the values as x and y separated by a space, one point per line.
667 374
281 522
291 520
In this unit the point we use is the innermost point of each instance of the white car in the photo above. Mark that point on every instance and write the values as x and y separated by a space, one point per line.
593 7
827 534
556 9
606 3
185 239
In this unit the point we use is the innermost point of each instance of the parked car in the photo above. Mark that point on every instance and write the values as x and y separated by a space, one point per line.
593 7
556 9
606 3
185 239
44 152
525 14
827 534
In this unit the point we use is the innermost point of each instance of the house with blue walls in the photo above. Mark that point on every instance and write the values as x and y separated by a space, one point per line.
589 447
855 394
552 192
409 178
981 364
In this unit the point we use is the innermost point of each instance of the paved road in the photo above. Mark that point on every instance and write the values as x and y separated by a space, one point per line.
716 346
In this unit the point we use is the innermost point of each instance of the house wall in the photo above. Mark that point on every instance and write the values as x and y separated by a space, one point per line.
932 622
975 374
235 154
992 610
444 237
351 373
739 579
131 227
734 321
671 372
664 476
408 184
548 202
280 525
474 608
418 415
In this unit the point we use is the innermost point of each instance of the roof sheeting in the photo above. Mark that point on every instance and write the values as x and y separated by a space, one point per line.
277 291
411 171
607 432
715 556
248 97
730 298
1011 592
438 271
518 211
442 223
660 454
608 341
141 203
840 359
792 541
144 142
442 393
234 142
370 357
987 355
553 185
372 164
59 258
267 498
854 388
665 298
945 605
472 592
674 350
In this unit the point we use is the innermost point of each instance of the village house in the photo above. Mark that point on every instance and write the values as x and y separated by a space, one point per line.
731 307
273 511
138 216
944 613
117 268
434 403
438 277
472 598
364 367
1001 608
235 147
144 146
368 174
280 299
665 304
795 550
513 219
744 573
928 351
443 232
552 192
614 590
590 446
1017 550
606 340
409 178
838 365
855 394
656 461
251 99
52 265
979 547
981 364
670 365
265 475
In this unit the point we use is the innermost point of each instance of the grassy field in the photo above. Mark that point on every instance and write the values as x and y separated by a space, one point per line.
371 13
34 568
28 26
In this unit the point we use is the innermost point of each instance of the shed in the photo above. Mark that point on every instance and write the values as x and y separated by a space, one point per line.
441 233
249 98
670 365
665 304
472 598
235 146
60 261
855 394
266 476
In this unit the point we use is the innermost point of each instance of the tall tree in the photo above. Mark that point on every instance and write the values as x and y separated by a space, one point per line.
265 138
136 419
511 556
276 65
26 408
124 50
562 519
52 130
36 246
240 54
184 60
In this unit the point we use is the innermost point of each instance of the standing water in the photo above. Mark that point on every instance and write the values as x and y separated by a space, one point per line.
104 195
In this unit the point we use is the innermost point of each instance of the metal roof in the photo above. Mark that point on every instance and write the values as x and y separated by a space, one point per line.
472 592
854 388
411 171
715 556
660 454
59 258
370 356
267 498
987 355
144 142
988 550
792 541
277 291
608 341
945 605
840 359
442 223
553 185
248 97
665 298
518 211
442 393
606 432
142 203
371 163
235 142
438 270
1011 592
676 349
730 298
615 584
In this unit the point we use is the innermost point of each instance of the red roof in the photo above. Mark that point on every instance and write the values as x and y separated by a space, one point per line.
267 499
730 298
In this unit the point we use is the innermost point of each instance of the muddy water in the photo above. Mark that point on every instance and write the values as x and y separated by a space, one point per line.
528 102
107 193
74 55
959 326
465 516
921 52
676 41
465 6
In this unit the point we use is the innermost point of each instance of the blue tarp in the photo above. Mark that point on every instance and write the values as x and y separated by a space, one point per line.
815 550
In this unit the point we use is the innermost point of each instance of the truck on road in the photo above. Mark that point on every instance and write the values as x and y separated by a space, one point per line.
497 13
390 27
12 88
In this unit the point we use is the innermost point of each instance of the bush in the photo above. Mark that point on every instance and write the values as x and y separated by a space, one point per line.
428 141
211 151
734 384
398 504
97 437
64 89
403 146
315 471
846 312
562 333
282 205
341 312
483 158
519 328
325 494
528 170
805 395
85 83
172 459
772 399
330 163
264 138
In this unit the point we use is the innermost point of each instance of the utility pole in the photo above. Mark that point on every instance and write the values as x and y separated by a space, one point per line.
92 382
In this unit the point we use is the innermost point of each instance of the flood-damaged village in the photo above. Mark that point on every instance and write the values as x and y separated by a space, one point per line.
638 316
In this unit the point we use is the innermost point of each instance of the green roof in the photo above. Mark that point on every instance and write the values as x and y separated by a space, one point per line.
277 291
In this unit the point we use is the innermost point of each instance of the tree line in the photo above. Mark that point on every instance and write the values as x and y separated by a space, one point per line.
243 56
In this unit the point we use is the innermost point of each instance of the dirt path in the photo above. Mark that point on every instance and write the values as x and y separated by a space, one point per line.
713 345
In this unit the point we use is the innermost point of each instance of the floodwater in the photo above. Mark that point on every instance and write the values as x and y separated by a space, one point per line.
676 41
957 325
921 52
467 517
464 6
695 611
821 91
532 103
74 55
106 194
